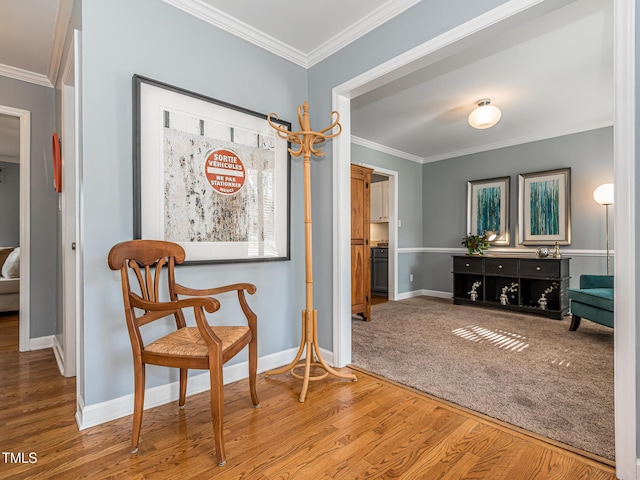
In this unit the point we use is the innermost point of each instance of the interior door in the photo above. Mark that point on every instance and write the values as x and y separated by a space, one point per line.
360 249
69 207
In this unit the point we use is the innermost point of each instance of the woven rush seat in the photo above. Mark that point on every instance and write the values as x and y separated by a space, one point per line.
188 341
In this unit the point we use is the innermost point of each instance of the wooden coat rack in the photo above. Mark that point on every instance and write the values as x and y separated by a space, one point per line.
309 142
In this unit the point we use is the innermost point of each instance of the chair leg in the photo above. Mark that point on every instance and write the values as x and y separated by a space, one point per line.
575 323
253 367
183 387
138 403
217 406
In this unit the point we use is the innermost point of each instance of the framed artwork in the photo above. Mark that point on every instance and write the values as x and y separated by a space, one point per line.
544 204
488 208
210 176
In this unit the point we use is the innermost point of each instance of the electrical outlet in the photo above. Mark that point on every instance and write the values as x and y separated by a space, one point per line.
411 277
399 223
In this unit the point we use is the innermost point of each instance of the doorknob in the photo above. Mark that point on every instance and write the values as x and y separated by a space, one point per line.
73 245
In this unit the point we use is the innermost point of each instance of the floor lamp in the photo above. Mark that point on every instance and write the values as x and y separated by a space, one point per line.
604 196
309 142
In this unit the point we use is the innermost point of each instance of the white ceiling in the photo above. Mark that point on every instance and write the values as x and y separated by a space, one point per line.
551 76
303 31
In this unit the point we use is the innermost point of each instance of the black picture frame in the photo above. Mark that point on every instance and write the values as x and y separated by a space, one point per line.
208 175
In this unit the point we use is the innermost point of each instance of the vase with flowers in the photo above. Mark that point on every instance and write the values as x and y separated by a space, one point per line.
476 244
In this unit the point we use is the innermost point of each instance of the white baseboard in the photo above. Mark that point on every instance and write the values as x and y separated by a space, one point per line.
41 343
421 292
57 352
438 294
92 415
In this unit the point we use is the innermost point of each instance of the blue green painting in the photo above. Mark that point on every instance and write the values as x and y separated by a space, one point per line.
488 216
545 207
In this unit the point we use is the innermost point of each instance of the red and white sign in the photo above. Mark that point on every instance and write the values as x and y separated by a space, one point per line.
225 171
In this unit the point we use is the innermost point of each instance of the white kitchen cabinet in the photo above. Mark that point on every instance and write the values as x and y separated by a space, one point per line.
380 202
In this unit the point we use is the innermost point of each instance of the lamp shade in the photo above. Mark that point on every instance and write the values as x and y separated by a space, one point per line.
604 194
485 115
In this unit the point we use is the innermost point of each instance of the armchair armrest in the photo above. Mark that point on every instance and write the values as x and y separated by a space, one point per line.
156 310
239 287
202 292
596 281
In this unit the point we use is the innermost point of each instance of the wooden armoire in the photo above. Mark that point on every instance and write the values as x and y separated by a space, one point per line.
360 249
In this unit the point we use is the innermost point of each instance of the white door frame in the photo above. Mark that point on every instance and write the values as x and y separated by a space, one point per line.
66 352
25 222
624 218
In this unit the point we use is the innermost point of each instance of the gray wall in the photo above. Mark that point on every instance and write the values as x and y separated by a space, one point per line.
10 201
588 154
432 197
44 204
177 49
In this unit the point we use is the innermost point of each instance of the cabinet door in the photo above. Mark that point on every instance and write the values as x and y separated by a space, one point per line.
380 275
376 202
380 202
385 200
360 249
359 278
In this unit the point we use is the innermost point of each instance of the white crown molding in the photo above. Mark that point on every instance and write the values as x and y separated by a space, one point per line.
63 17
55 58
219 19
25 75
363 26
384 149
222 20
519 141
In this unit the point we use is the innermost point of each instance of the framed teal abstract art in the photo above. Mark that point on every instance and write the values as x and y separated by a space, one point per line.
488 208
544 207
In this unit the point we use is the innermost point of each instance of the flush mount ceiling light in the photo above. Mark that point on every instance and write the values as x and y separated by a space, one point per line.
485 115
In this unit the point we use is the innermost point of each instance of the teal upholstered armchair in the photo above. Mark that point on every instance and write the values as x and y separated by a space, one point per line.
593 300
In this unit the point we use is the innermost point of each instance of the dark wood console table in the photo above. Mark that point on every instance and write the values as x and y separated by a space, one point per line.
528 284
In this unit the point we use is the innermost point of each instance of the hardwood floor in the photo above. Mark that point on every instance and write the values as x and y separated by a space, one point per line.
377 299
344 430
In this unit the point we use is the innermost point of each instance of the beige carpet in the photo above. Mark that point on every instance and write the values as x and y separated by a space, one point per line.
523 369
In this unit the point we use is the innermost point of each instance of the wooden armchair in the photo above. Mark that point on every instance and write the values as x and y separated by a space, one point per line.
201 347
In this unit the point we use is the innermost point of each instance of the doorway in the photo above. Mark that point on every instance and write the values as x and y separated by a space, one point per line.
10 218
379 235
24 119
384 232
624 146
